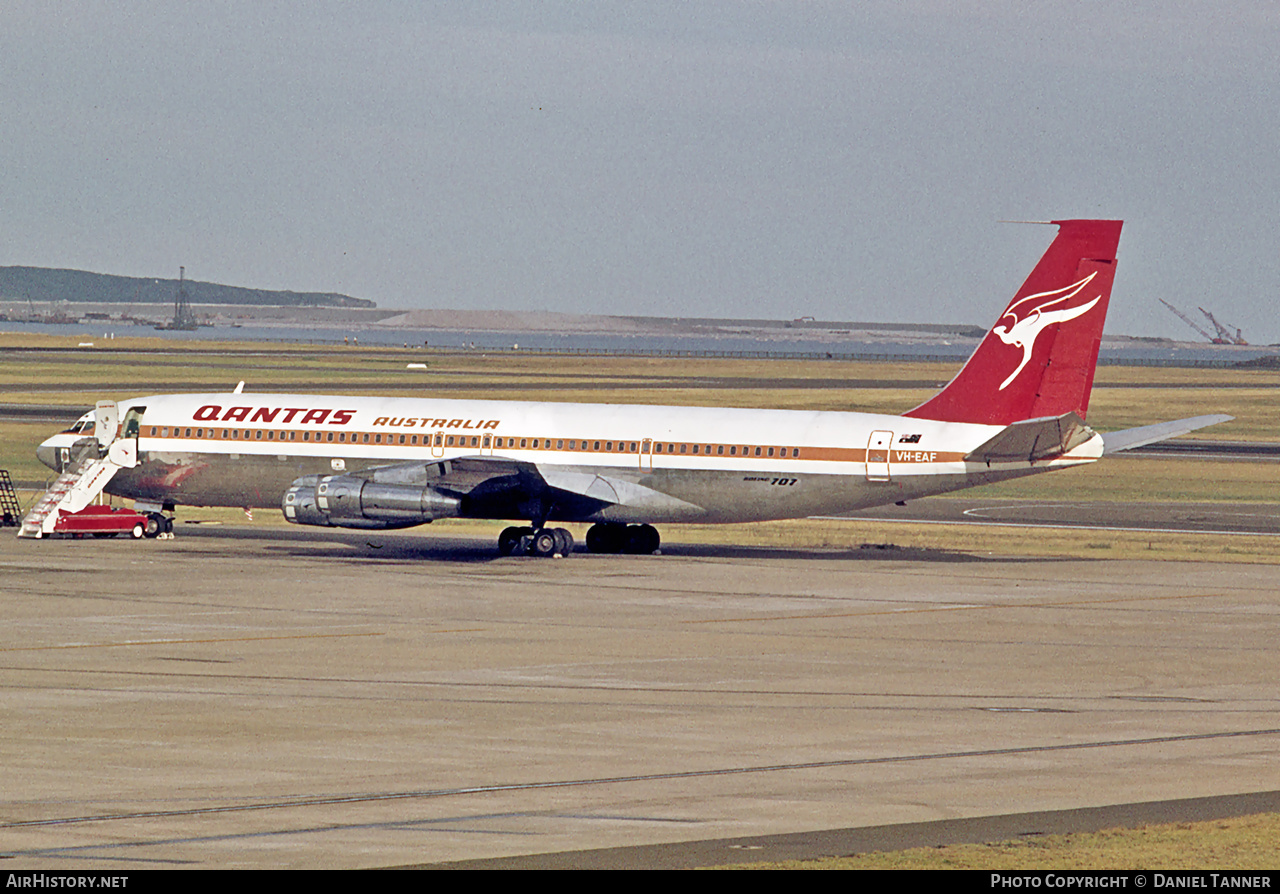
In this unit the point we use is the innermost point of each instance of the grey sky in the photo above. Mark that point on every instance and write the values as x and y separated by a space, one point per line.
754 159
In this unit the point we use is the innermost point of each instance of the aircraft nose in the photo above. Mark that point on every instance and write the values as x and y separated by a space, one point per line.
48 454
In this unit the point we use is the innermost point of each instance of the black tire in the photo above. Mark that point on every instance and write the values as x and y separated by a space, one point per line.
545 543
154 525
606 538
564 545
138 530
509 541
642 540
653 539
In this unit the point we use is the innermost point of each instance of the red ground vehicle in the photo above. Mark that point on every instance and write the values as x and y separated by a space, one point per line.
101 521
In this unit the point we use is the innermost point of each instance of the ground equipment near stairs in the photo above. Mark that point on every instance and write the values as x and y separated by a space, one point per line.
10 508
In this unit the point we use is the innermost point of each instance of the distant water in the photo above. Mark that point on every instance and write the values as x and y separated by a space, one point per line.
784 342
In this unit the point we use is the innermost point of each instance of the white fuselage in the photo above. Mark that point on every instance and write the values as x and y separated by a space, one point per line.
718 465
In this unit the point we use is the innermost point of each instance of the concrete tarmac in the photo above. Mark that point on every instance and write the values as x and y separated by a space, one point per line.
278 697
1248 519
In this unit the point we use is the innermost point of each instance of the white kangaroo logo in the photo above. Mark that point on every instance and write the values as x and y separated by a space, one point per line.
1033 314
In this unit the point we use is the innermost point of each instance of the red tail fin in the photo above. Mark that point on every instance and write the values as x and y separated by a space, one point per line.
1039 358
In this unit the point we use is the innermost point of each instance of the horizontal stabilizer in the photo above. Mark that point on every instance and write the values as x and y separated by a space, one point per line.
1032 440
1129 438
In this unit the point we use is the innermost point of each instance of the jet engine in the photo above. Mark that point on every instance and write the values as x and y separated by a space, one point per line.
348 502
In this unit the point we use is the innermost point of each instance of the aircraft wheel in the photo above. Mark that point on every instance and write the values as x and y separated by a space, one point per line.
642 540
154 525
509 540
545 543
653 538
564 544
606 538
138 530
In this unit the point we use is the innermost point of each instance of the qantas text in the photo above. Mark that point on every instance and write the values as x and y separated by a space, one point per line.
215 413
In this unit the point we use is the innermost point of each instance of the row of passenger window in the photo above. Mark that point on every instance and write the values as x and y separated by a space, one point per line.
330 437
443 440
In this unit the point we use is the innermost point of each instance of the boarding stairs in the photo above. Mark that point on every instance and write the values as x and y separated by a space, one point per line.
94 463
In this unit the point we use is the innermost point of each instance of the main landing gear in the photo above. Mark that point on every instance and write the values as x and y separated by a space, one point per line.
636 540
606 537
544 542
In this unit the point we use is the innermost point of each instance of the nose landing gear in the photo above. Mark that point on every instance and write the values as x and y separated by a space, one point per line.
159 526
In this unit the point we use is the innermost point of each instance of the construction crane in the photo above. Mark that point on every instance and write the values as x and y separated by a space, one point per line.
1224 331
1193 324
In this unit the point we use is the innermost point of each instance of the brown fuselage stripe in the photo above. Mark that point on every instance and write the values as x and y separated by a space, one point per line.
509 444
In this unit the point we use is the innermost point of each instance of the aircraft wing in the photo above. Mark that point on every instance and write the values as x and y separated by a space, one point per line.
1129 438
492 484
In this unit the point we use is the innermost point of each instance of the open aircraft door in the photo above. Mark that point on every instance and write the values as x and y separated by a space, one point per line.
878 446
106 422
123 451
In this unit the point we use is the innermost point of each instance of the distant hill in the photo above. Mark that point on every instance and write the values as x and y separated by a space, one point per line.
45 284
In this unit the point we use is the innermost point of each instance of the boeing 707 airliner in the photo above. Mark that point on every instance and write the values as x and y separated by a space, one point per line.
1017 407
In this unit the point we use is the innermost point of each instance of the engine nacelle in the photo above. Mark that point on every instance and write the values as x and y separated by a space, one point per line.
348 502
